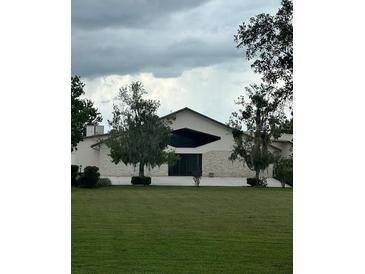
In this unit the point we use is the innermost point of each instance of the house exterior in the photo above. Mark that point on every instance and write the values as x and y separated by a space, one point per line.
200 141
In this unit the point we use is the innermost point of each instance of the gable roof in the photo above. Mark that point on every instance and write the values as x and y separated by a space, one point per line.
285 137
178 111
198 113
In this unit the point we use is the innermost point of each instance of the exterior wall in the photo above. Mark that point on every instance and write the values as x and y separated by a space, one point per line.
187 119
214 155
85 155
286 148
217 162
108 168
163 170
99 156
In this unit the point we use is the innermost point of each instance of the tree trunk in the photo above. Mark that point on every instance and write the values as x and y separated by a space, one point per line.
141 169
257 176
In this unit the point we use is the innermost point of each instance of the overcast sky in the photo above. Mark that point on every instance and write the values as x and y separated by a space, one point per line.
183 51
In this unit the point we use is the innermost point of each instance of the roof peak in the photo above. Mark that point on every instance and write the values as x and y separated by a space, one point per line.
195 112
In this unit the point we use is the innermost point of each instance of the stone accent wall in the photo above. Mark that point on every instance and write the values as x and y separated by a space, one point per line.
212 162
163 170
217 162
108 168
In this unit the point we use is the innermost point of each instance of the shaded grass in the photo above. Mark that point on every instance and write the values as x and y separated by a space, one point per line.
129 229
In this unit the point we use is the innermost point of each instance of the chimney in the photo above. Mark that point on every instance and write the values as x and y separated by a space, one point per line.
94 130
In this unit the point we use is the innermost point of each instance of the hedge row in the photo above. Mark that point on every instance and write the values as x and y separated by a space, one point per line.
140 180
89 178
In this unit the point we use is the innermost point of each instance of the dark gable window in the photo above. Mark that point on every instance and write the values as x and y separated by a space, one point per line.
186 137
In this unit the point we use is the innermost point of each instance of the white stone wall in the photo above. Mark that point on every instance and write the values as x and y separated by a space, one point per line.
217 162
108 168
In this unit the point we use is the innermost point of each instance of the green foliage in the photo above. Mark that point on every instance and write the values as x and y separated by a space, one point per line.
257 183
287 126
283 171
90 177
103 182
197 174
268 41
251 181
141 180
74 173
83 112
262 116
138 135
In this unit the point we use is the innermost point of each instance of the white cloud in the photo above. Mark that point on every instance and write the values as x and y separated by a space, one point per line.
210 90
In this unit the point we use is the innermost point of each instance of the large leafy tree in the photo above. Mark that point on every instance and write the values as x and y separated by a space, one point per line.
287 126
268 42
83 112
261 116
138 135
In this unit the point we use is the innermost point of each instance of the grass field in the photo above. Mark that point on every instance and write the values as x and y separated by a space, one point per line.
129 229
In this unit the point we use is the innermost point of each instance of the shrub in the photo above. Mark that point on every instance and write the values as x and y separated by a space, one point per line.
261 183
283 171
197 174
104 182
90 177
251 181
74 173
141 180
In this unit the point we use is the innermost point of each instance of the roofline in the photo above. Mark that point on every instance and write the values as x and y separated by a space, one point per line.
196 112
282 141
178 111
96 135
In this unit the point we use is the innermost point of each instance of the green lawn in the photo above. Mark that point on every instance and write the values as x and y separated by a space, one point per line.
136 229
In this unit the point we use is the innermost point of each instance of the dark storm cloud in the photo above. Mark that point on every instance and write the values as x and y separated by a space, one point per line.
90 14
168 59
161 37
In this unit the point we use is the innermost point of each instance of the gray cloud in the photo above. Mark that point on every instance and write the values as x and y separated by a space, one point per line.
90 14
165 38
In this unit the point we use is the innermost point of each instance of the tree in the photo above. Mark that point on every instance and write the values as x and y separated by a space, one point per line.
283 171
138 135
83 112
287 126
269 43
262 116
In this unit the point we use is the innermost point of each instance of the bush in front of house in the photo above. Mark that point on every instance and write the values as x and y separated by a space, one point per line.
141 180
104 182
197 174
74 173
90 177
253 182
283 171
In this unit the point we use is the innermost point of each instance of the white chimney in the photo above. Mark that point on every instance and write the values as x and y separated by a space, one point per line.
94 130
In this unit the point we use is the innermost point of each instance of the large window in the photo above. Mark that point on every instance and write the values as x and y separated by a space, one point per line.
186 137
187 164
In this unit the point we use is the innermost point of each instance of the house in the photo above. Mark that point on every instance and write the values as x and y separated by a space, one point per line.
200 141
